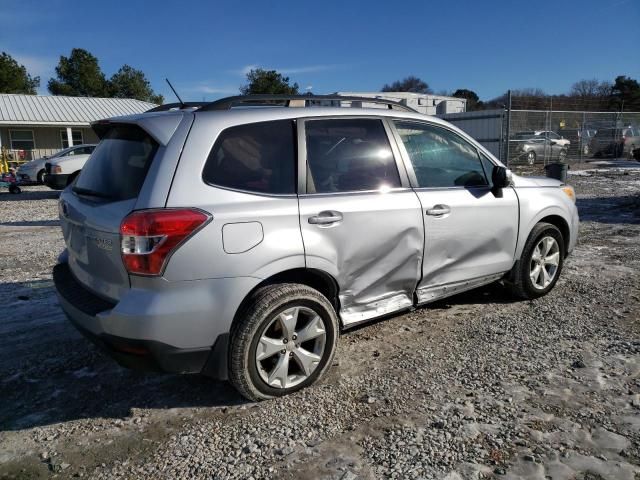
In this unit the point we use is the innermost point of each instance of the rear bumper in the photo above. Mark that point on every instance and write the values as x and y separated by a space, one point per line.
97 319
56 181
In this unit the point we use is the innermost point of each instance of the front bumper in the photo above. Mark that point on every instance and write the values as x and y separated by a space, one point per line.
57 181
94 316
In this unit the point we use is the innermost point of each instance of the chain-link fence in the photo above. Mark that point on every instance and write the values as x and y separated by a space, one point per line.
525 135
545 136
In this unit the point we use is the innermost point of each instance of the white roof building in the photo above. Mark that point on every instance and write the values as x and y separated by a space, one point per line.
35 125
421 102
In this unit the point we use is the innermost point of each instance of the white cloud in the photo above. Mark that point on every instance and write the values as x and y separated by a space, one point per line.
307 69
208 88
287 70
43 67
38 66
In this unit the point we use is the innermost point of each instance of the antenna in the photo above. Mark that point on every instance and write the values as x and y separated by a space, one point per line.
182 105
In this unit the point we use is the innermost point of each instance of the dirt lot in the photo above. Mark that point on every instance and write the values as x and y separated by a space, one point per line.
478 386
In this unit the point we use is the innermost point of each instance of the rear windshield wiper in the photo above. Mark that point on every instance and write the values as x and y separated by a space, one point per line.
88 191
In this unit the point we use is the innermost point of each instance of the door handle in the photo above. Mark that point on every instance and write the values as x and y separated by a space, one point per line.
325 218
438 210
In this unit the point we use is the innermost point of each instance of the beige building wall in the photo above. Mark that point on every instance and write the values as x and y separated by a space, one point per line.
47 140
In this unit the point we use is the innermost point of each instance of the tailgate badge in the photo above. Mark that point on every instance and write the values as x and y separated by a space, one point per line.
102 243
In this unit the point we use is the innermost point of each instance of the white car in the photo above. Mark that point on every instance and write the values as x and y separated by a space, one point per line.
34 170
554 137
60 171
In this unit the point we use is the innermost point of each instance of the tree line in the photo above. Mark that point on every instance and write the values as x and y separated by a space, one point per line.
78 75
589 94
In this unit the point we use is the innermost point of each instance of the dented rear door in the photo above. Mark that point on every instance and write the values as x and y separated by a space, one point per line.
359 219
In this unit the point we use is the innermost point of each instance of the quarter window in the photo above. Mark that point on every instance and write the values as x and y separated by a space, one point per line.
21 139
347 155
256 157
441 158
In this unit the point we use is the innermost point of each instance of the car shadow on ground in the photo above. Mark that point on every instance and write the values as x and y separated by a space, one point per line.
618 210
49 373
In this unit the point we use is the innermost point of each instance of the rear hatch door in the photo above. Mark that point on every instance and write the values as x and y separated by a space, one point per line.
92 210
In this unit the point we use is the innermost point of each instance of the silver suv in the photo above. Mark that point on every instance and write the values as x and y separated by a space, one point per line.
238 238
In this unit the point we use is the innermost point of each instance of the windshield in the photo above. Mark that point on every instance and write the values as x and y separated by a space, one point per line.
119 164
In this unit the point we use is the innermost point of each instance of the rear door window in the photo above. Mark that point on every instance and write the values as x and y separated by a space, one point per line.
349 155
255 157
118 166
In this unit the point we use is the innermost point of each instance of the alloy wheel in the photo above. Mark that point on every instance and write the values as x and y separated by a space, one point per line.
544 263
291 347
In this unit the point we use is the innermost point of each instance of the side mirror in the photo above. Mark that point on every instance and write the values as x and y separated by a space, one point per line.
501 177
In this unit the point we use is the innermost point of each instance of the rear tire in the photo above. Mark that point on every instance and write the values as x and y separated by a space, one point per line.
40 176
528 278
14 189
282 340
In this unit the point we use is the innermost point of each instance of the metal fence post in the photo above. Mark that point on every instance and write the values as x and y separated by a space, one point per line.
508 126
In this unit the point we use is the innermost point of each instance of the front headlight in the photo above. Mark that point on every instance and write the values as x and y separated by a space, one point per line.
570 192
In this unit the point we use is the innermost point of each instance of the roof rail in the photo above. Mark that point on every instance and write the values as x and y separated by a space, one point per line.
177 106
294 101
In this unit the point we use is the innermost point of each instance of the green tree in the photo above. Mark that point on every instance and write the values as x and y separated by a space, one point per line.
129 82
268 81
625 93
79 75
409 84
14 77
473 101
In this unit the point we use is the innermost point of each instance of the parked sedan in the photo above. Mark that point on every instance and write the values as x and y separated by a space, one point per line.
617 142
559 139
35 171
579 138
530 148
61 171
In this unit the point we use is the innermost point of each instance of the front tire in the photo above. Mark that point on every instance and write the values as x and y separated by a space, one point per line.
282 340
539 267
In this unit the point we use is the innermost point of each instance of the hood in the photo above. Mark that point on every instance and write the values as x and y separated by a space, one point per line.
519 181
33 163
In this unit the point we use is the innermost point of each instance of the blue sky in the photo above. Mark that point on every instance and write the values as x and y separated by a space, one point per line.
206 47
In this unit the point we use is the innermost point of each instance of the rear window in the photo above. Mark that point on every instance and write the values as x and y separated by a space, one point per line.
118 166
256 157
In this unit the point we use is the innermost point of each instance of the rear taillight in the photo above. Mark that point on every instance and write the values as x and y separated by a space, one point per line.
149 237
56 169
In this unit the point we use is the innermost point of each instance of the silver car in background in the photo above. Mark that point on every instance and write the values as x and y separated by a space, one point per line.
238 242
34 170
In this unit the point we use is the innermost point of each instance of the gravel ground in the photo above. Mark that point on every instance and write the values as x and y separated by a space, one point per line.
477 386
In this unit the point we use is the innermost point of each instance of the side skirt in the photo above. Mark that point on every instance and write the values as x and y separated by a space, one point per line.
431 294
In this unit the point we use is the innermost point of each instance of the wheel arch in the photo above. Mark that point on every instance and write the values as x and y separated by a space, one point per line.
554 219
311 277
562 225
